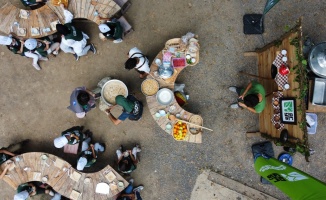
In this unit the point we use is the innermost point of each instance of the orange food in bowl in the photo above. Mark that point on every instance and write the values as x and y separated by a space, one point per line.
180 131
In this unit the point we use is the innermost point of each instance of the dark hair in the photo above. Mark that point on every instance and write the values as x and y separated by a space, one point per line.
83 98
251 100
124 165
62 29
130 63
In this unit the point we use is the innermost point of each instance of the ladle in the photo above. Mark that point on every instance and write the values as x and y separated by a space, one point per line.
173 118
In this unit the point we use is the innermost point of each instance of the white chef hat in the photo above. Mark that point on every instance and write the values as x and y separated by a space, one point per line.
104 28
31 43
23 195
81 163
61 141
5 40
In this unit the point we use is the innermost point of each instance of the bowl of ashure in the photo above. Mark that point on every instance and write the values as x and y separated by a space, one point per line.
111 89
149 87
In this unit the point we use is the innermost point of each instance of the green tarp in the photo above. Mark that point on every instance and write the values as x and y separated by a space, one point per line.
293 182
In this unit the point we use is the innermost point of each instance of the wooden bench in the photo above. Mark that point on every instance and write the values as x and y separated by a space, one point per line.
154 106
62 177
88 9
39 19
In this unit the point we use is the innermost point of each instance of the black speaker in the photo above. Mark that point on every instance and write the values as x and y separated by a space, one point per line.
253 24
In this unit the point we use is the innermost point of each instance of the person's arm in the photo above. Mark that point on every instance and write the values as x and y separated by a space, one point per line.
245 92
21 47
132 157
68 15
248 108
89 92
7 152
5 170
112 118
93 151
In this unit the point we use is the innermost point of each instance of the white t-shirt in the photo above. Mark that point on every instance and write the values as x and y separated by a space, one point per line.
143 64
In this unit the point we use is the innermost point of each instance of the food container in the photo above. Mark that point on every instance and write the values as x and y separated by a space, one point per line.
164 96
195 119
111 89
149 87
179 131
178 62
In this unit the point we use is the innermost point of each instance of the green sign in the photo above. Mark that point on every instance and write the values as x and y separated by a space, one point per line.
293 182
269 5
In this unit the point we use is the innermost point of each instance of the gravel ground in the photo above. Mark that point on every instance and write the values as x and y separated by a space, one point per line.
34 102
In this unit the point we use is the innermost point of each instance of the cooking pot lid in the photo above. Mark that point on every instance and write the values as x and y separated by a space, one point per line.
317 59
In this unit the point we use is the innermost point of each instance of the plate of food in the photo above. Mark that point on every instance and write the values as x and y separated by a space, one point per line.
180 131
111 89
35 31
149 87
23 14
21 31
164 96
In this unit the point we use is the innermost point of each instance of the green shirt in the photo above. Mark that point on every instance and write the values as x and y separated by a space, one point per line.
257 88
74 34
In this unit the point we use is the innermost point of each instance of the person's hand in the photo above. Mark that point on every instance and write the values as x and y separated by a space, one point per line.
241 97
9 165
62 6
129 151
108 111
22 42
242 105
92 146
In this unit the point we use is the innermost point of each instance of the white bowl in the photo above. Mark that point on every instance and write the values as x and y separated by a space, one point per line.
164 96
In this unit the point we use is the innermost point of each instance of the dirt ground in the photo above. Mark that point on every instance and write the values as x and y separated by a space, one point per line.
34 102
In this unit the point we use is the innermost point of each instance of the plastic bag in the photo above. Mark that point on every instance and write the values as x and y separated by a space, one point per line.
179 87
187 37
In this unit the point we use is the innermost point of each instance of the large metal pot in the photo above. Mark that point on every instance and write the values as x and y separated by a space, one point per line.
107 86
317 59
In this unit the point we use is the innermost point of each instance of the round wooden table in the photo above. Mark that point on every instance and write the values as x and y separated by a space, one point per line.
62 177
174 108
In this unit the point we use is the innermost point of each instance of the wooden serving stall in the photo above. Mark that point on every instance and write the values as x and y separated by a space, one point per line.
61 176
291 42
88 9
174 108
28 23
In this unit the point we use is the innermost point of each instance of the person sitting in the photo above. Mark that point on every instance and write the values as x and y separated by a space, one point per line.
88 157
14 44
73 40
4 156
111 30
30 189
82 101
252 98
127 160
73 136
137 60
127 194
132 109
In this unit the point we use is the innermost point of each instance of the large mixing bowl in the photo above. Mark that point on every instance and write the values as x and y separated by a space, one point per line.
111 89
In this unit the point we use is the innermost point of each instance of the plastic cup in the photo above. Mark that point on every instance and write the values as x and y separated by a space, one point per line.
284 52
286 86
284 59
158 62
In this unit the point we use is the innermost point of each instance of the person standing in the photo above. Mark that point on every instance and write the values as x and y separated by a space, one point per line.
252 98
111 30
82 100
132 109
138 61
127 160
73 40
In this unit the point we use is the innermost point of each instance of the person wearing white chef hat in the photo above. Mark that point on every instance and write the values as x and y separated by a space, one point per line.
111 30
73 40
31 44
13 44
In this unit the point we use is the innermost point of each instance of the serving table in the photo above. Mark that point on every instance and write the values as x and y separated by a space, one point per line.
39 20
266 56
174 108
61 176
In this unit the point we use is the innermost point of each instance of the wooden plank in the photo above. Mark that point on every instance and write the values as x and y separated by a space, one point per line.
82 9
250 53
89 189
78 8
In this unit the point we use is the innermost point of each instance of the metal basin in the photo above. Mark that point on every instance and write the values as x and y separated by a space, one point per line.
319 96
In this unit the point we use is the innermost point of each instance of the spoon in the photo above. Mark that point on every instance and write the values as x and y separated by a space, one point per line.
173 118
